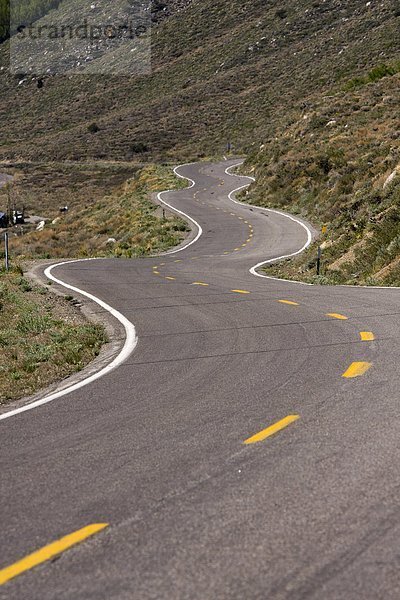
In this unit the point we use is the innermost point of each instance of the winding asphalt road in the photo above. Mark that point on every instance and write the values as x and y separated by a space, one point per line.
156 449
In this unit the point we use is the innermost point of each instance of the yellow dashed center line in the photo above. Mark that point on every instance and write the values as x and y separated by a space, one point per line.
367 336
49 551
171 278
337 316
156 273
199 283
290 302
241 291
178 260
356 369
265 433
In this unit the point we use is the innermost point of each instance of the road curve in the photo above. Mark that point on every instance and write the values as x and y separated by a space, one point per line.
247 448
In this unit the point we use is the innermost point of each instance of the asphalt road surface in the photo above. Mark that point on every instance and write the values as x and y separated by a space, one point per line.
156 449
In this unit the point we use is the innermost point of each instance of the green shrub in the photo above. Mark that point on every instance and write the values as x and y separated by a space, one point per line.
93 128
138 148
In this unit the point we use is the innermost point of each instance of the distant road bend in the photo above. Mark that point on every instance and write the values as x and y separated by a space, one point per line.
247 448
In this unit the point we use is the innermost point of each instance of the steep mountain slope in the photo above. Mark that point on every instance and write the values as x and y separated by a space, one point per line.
337 162
222 71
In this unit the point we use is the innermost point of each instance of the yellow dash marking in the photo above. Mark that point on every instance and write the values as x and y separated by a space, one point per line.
178 260
171 278
262 435
199 283
47 552
247 222
236 249
241 291
155 267
337 316
233 214
356 369
156 272
162 264
241 218
367 336
243 245
290 302
248 240
226 252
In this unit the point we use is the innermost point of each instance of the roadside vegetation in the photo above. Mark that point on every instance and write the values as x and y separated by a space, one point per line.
43 337
124 223
337 163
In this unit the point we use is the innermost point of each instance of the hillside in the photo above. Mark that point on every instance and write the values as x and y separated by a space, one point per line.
308 90
337 163
221 71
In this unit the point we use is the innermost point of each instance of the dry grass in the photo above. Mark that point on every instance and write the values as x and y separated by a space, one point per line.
331 164
43 338
126 216
42 188
222 70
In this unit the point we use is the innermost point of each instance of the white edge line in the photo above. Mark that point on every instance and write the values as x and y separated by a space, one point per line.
131 339
253 270
189 218
272 260
129 345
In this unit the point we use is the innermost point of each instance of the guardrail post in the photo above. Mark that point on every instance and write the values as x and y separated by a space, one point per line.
319 260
